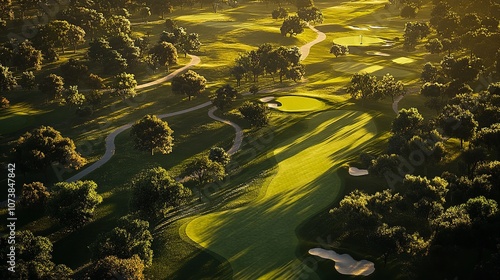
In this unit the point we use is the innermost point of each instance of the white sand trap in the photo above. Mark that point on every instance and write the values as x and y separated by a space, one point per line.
353 171
377 27
272 105
377 53
344 263
403 60
357 28
266 99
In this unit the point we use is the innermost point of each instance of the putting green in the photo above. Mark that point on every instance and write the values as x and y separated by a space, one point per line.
298 104
259 239
356 40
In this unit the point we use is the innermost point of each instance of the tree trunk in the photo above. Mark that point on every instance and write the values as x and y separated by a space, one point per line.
461 143
152 152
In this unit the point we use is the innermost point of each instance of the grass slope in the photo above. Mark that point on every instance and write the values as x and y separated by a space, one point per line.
259 240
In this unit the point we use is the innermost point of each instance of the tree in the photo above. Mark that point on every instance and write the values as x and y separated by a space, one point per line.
52 85
494 88
131 237
256 113
124 85
434 46
363 86
204 171
430 73
224 96
33 259
218 154
292 26
73 97
4 102
56 33
388 86
117 24
279 13
310 15
384 165
95 82
34 194
115 62
98 50
463 69
414 31
73 204
87 18
124 45
353 214
391 240
189 84
155 193
489 137
189 43
152 134
164 54
238 72
407 122
111 268
76 36
27 56
457 123
43 146
409 11
304 3
27 80
254 89
73 70
7 80
339 50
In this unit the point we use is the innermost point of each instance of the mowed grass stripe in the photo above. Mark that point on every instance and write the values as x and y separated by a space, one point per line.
259 239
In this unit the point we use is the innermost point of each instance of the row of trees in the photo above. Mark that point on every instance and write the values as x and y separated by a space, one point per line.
365 86
266 59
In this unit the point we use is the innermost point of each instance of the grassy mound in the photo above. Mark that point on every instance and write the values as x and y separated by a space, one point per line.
259 239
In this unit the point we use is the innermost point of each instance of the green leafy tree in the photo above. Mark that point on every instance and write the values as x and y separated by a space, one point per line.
489 137
43 146
409 11
414 32
152 134
73 97
73 204
87 18
117 24
155 192
391 240
27 56
362 86
124 85
52 85
131 237
388 86
457 123
164 54
434 46
27 80
310 15
33 259
34 194
256 113
304 3
407 122
430 73
279 13
218 154
56 33
7 80
238 72
73 70
4 102
95 82
98 50
354 215
204 171
421 193
75 36
224 96
111 268
339 50
189 84
292 26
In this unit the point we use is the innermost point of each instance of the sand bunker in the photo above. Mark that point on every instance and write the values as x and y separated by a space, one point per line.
353 171
377 27
273 105
377 53
357 28
403 60
344 263
266 99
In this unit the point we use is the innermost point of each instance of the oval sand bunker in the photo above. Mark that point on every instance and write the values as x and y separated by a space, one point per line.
298 104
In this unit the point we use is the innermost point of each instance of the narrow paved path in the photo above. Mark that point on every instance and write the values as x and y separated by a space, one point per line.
305 49
238 139
194 61
395 104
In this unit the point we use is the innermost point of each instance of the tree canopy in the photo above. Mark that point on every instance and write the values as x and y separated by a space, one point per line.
152 134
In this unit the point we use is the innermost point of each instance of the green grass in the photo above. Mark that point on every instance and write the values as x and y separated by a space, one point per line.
305 184
298 104
358 40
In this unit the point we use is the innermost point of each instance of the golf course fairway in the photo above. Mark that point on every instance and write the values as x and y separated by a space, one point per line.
259 239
